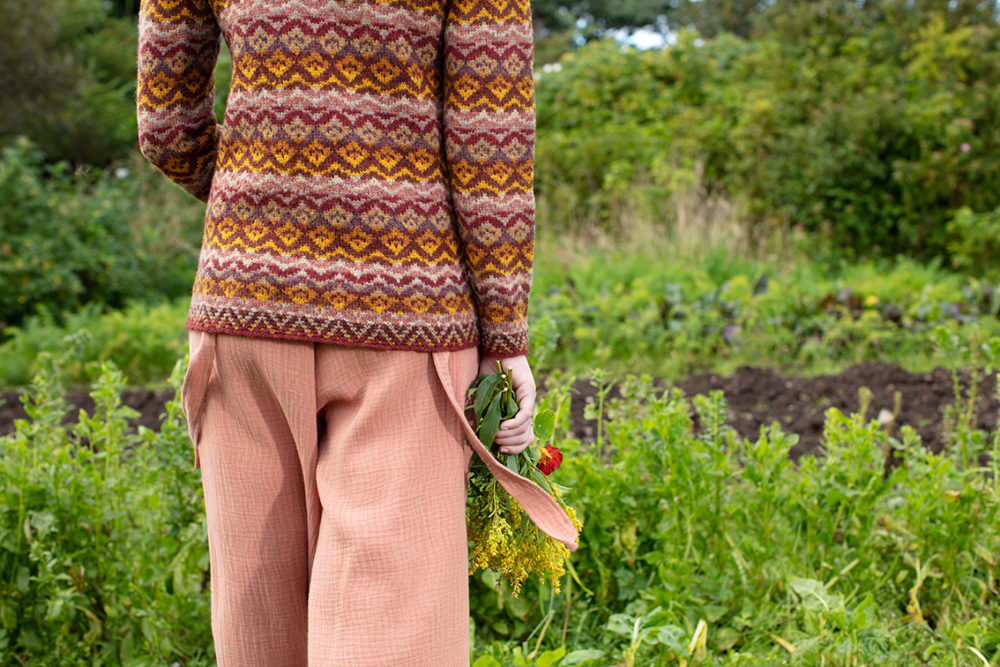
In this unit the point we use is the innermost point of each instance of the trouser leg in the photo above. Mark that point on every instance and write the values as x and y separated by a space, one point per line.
390 576
257 429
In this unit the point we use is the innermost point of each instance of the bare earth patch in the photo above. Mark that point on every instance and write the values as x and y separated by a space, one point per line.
755 397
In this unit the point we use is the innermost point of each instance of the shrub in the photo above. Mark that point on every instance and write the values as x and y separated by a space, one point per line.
700 547
72 238
867 135
671 315
68 74
65 237
697 545
102 540
975 241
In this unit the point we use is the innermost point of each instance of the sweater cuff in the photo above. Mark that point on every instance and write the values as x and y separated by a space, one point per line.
506 340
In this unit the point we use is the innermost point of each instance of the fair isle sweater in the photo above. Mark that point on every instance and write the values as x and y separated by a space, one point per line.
371 182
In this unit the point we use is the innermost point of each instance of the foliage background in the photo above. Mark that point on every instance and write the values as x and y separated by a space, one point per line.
800 183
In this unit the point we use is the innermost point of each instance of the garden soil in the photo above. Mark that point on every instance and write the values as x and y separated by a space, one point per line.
755 398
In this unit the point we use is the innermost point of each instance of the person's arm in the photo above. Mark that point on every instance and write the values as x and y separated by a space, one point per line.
179 43
489 126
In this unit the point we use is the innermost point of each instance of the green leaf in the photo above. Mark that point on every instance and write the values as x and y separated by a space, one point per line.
512 406
545 425
538 477
620 624
8 615
581 656
550 657
672 637
490 424
126 412
31 640
23 579
512 464
475 384
486 661
518 606
813 594
484 391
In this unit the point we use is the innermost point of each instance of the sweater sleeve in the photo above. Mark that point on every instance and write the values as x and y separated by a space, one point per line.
489 138
178 47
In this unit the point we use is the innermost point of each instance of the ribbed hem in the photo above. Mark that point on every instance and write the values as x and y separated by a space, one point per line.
196 325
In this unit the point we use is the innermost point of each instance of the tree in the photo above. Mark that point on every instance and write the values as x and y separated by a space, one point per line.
603 14
711 17
68 75
750 18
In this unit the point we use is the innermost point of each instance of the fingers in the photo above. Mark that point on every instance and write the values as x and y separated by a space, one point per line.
525 392
517 442
520 434
514 450
518 421
514 437
516 433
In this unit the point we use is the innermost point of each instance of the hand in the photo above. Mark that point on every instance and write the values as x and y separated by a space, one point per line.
518 432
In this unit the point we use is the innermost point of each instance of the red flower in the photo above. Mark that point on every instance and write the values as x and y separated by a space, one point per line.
550 459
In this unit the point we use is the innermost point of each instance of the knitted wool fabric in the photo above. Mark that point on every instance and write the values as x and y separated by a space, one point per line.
371 181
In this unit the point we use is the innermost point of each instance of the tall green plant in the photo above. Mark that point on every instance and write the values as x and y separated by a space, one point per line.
103 547
700 547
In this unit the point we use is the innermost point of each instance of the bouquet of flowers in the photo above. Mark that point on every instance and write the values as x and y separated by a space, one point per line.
503 538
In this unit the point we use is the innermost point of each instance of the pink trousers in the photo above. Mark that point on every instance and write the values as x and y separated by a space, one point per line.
334 482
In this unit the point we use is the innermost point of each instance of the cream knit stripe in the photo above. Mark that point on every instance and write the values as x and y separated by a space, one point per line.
400 280
316 102
422 196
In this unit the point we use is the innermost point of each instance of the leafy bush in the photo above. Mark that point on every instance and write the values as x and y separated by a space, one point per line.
697 545
102 542
867 135
67 239
670 315
975 241
68 72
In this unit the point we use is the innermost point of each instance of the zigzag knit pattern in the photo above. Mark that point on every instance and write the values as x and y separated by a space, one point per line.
371 183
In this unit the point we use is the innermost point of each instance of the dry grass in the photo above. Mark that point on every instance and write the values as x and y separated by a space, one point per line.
687 222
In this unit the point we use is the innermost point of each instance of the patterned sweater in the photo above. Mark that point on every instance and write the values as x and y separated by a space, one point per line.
371 181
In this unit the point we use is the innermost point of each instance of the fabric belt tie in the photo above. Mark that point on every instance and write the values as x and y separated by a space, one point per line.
541 507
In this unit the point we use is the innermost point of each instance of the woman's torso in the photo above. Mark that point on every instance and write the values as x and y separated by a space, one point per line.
329 217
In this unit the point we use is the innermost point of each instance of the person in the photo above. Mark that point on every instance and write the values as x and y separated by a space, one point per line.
367 250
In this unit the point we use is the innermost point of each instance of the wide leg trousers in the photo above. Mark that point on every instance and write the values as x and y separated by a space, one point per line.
334 481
